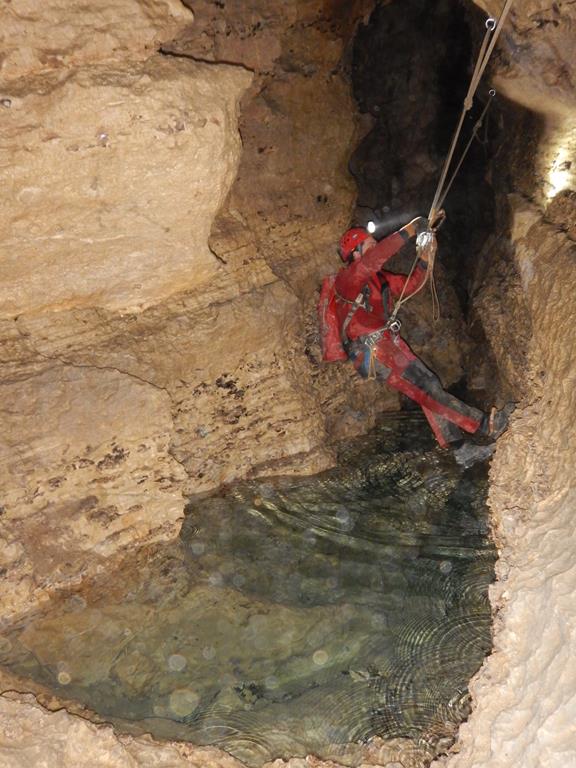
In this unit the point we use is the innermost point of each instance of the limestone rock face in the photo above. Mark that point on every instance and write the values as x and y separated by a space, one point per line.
93 476
116 162
54 34
116 176
39 738
134 295
523 694
293 195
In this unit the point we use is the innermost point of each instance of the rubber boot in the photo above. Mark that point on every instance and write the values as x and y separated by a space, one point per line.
469 453
496 422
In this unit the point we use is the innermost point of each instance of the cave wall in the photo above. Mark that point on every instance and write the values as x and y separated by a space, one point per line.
151 381
523 298
160 257
524 703
169 220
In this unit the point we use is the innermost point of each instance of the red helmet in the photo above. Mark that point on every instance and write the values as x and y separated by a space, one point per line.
350 240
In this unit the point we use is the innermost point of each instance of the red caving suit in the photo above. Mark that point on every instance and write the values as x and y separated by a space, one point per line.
392 359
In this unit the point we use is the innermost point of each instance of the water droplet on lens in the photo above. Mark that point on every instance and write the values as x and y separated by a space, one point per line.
238 580
75 603
445 566
309 537
378 621
209 652
271 682
183 701
5 645
198 548
176 662
344 520
64 678
215 580
320 658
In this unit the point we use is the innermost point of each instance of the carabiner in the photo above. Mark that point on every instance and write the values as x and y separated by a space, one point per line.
394 326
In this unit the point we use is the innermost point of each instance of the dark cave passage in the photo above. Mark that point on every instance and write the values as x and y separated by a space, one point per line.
410 70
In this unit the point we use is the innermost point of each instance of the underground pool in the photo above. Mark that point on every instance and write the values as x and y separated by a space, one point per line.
293 616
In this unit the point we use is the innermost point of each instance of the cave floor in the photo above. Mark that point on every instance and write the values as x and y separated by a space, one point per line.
293 616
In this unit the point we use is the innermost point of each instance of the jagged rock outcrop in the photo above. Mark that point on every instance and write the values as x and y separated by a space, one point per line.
117 173
111 154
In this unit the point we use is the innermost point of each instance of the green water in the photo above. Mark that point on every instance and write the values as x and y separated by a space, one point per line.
294 616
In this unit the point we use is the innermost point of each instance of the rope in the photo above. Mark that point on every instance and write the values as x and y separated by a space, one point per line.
484 56
465 108
477 127
430 249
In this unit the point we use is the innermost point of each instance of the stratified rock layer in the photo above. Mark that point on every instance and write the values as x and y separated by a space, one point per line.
134 296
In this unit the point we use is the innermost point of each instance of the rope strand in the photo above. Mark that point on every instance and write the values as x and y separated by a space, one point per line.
481 64
465 108
466 149
482 60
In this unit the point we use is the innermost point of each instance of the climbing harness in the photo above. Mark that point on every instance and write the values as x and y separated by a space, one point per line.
370 340
393 325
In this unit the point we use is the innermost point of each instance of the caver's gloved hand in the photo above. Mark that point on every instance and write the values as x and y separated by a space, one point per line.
414 227
438 218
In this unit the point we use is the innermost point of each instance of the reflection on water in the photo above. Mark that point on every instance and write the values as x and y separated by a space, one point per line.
294 616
